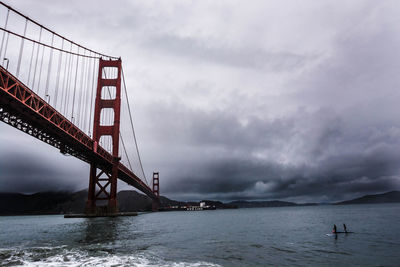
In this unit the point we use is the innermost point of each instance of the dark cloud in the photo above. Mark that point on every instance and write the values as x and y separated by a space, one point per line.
235 161
30 177
23 173
28 165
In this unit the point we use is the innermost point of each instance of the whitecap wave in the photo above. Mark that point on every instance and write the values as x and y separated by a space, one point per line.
60 256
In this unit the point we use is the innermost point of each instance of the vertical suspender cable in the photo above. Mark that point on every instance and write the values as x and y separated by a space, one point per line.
5 49
36 62
80 98
4 33
30 63
126 154
83 99
89 71
65 81
58 74
73 98
85 94
68 84
92 95
21 49
40 71
49 69
83 88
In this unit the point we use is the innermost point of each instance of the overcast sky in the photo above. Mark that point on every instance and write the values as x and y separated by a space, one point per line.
294 100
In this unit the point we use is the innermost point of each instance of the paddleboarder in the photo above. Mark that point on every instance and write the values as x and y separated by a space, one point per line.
334 229
345 228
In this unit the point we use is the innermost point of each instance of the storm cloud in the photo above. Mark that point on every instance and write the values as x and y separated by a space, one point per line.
234 100
303 156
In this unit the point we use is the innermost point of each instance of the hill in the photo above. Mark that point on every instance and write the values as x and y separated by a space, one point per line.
129 200
41 203
389 197
65 202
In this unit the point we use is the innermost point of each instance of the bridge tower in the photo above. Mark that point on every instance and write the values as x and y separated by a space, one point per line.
102 195
156 191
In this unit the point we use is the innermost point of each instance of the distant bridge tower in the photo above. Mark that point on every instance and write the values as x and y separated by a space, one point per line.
102 195
156 191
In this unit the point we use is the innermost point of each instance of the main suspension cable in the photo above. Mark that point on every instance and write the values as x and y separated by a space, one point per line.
46 45
133 129
56 34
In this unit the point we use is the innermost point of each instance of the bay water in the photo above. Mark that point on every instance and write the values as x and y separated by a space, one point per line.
282 236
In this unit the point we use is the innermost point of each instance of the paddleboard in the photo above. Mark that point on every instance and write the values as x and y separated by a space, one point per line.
332 234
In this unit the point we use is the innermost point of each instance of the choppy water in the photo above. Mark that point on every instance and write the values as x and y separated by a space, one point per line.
291 236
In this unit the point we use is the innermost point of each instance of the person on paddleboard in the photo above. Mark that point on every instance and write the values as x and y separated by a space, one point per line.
345 228
334 229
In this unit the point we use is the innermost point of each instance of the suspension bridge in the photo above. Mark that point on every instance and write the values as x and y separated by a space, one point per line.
74 99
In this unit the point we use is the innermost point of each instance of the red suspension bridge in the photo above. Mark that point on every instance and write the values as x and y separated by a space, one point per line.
54 90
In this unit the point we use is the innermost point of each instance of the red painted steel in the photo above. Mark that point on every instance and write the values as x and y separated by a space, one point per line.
107 190
156 186
156 191
21 108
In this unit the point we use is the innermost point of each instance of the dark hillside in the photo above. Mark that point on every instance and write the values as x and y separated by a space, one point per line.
389 197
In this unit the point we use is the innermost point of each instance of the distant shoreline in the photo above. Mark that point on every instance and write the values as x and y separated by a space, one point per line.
60 203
